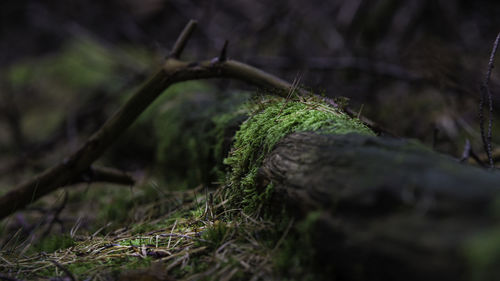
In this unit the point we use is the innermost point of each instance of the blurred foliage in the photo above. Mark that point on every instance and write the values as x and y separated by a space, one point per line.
383 54
50 90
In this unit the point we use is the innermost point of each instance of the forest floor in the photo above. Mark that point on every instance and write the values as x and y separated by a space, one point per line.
142 232
102 231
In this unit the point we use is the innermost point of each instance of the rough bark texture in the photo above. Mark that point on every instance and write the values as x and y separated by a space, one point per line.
388 209
382 208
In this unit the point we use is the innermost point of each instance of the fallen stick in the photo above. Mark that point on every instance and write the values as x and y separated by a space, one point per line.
171 72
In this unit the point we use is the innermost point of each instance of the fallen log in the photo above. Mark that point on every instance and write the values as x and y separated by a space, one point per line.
366 207
387 209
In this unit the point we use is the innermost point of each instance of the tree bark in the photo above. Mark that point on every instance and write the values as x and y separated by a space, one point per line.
388 209
383 208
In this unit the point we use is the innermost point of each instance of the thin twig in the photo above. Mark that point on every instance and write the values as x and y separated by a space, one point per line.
182 39
294 87
172 71
171 232
466 152
282 238
182 236
223 52
485 91
105 174
469 153
360 111
64 269
55 216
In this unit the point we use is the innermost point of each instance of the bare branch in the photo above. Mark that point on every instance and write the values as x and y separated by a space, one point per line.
64 269
182 39
173 71
104 174
486 92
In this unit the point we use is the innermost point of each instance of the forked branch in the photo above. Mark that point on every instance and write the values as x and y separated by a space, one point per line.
172 71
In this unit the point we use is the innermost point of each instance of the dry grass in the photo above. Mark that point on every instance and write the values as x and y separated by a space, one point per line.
178 235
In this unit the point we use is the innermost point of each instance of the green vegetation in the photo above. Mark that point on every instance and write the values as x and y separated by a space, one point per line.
186 124
188 232
184 135
295 259
215 235
51 244
271 120
82 64
482 254
83 72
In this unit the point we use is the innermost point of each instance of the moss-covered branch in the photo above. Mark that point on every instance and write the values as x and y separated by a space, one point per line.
270 121
171 72
365 207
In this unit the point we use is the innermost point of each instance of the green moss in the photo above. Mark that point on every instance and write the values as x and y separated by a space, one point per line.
81 74
116 208
142 228
272 120
186 129
197 213
216 235
183 151
82 64
118 204
295 259
53 243
223 123
158 132
19 74
136 242
483 255
81 268
175 93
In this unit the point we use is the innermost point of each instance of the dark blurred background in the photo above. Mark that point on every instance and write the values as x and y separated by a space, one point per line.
412 66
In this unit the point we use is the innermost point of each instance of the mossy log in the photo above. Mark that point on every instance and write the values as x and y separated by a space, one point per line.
387 209
374 208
